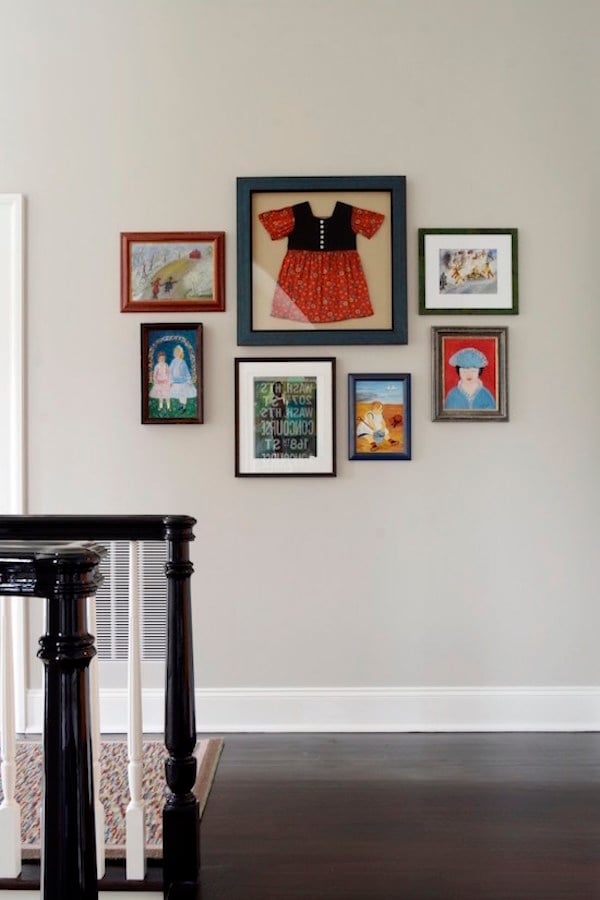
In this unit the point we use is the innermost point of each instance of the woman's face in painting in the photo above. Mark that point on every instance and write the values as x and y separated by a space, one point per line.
469 375
469 379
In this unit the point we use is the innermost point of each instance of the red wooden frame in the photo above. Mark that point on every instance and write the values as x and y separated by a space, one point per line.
174 304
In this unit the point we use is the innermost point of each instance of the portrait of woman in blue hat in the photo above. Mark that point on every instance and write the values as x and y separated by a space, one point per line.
469 392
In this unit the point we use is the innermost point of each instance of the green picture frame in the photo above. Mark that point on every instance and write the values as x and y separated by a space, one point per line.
468 271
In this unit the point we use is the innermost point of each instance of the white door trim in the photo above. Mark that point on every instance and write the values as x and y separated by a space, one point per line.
12 321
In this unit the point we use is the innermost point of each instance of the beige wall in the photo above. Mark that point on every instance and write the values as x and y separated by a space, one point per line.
474 564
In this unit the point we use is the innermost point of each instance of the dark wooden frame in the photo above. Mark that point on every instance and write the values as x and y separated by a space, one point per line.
395 185
439 414
424 310
66 576
198 359
278 467
177 304
405 453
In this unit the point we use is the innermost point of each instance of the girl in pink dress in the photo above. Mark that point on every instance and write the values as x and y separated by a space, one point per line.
161 382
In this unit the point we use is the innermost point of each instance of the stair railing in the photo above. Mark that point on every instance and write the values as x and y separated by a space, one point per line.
181 822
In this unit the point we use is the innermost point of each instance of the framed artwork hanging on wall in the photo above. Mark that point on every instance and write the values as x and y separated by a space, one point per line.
468 270
171 371
173 271
285 416
379 416
469 374
321 260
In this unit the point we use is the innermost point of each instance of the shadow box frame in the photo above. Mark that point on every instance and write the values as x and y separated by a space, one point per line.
390 304
310 389
444 342
175 304
147 363
432 299
387 378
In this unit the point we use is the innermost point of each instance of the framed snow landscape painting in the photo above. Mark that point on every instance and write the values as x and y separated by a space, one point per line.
468 270
173 271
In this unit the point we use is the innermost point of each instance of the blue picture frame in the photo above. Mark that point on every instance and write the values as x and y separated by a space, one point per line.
378 223
379 416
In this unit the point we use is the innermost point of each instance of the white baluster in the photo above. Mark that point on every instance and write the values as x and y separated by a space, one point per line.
96 744
134 816
10 812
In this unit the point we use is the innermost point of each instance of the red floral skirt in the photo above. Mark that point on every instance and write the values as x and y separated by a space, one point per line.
321 286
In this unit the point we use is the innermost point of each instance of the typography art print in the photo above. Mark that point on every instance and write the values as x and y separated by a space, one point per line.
285 418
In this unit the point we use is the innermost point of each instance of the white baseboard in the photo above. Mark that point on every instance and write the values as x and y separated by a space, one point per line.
220 710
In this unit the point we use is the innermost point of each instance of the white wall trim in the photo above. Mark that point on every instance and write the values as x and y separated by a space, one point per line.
13 281
12 284
382 709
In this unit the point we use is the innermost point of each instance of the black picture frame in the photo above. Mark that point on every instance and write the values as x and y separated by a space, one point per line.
382 258
285 417
172 396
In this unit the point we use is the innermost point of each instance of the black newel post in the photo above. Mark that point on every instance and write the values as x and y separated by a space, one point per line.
181 822
69 842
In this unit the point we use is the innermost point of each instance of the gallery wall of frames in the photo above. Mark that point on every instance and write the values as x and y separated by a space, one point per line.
322 261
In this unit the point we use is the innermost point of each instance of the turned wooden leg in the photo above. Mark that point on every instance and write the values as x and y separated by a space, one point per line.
69 840
181 816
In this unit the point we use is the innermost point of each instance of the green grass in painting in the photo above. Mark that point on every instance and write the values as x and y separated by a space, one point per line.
177 411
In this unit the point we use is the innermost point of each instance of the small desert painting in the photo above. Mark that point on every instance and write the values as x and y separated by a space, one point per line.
379 416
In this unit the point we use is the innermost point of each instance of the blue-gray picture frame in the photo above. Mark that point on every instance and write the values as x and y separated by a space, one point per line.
394 304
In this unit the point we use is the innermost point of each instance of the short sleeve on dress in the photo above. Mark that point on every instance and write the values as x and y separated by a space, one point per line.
366 222
278 222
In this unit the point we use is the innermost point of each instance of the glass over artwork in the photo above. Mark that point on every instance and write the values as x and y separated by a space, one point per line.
171 374
172 271
285 415
162 271
469 373
379 416
322 260
285 418
468 271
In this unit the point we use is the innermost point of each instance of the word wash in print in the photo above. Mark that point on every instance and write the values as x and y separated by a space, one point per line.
285 418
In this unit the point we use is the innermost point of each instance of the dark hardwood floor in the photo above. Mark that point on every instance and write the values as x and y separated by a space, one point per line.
404 817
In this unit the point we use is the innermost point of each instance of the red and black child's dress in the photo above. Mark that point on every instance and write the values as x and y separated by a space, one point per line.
321 277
